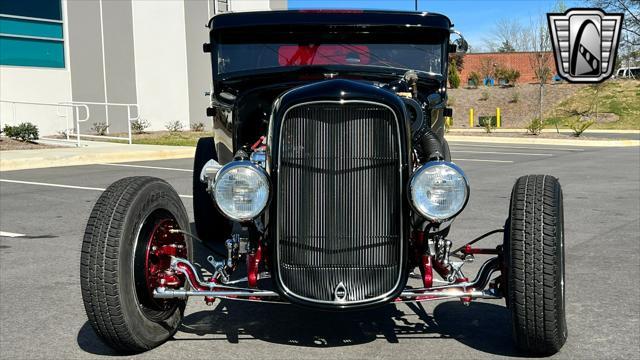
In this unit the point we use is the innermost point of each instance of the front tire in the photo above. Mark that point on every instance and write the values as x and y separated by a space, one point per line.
118 257
534 249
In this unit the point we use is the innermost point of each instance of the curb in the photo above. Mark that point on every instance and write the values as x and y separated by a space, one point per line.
543 141
524 131
26 159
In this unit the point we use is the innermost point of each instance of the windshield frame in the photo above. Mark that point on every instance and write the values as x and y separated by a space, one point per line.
328 34
440 58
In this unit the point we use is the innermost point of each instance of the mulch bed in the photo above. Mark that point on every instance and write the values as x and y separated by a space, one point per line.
10 144
545 135
515 114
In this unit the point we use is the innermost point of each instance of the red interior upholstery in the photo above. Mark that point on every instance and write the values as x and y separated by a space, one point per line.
295 55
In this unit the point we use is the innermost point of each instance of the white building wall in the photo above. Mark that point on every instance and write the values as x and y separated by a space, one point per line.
160 62
248 5
39 85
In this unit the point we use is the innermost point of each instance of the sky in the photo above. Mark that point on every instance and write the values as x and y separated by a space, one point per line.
475 19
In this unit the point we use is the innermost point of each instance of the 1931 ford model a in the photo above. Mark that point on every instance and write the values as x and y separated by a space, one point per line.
327 181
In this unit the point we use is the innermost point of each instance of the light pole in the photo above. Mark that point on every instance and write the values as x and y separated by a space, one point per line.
416 5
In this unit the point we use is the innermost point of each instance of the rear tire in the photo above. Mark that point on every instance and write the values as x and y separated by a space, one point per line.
534 249
113 280
211 225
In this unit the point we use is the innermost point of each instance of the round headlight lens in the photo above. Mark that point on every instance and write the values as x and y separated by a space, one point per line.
439 190
241 190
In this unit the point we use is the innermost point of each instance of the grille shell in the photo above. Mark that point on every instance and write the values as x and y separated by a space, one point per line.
353 150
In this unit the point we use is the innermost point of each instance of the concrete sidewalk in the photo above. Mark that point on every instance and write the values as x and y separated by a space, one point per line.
590 138
590 134
91 152
548 130
533 140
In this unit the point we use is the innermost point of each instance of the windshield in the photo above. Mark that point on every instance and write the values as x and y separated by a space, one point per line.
247 57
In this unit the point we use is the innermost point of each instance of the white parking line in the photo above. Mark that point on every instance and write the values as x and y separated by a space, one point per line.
498 152
10 234
147 167
550 148
483 160
66 186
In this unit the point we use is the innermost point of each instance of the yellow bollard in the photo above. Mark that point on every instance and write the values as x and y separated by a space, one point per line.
497 117
471 117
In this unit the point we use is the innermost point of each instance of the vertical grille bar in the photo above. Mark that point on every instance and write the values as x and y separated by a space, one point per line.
339 205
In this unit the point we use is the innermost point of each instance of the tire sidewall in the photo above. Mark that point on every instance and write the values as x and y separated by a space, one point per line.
560 254
154 196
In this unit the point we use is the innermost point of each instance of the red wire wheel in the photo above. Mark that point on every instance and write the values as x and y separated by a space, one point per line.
156 244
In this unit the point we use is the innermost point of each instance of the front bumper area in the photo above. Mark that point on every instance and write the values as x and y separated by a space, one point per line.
466 291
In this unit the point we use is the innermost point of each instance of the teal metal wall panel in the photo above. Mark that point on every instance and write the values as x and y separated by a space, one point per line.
30 28
30 52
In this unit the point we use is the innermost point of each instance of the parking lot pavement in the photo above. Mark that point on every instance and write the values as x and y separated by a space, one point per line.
43 213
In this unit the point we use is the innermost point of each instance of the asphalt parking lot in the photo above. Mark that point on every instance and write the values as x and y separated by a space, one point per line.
43 213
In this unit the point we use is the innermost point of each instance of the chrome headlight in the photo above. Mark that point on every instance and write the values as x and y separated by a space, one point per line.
439 190
241 190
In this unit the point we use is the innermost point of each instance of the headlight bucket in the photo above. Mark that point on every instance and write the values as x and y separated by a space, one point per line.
438 191
241 190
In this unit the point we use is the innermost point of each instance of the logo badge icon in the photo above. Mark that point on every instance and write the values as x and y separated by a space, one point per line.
340 293
585 42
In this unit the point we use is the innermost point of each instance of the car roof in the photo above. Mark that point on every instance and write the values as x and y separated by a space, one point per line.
329 17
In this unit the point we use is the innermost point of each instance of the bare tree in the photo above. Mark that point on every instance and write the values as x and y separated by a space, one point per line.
507 31
630 37
487 68
512 34
539 57
631 10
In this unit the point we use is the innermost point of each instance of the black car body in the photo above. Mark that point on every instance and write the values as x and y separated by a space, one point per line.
329 176
250 100
243 99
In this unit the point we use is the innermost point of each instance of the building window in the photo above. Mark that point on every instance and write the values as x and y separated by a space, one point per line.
31 33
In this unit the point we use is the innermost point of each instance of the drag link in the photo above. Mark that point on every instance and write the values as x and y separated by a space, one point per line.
185 267
164 293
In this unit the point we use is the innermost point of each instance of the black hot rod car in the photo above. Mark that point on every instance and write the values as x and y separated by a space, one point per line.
327 183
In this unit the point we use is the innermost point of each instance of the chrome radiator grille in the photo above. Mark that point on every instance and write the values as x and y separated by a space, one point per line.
339 232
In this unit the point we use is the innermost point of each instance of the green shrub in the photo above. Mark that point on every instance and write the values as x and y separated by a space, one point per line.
488 120
197 126
553 121
515 97
535 126
513 76
454 76
484 96
579 126
509 76
140 125
24 132
488 127
174 126
500 73
100 128
474 79
448 122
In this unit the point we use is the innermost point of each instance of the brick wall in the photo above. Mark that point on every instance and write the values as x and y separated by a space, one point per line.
515 60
